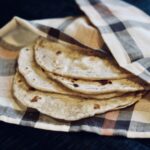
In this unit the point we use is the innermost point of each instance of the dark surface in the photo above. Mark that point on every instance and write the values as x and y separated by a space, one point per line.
22 138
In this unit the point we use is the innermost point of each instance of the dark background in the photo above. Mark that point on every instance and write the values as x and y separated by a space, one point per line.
25 138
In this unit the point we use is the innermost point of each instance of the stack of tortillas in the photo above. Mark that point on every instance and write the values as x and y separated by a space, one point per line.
69 83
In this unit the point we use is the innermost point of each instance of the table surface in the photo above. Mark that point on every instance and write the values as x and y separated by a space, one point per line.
19 137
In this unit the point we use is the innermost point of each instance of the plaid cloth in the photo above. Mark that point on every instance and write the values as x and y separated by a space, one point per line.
118 29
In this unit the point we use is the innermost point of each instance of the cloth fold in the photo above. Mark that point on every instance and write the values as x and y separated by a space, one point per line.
125 30
109 26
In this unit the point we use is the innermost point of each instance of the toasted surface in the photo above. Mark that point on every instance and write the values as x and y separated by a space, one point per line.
65 107
38 79
101 86
62 60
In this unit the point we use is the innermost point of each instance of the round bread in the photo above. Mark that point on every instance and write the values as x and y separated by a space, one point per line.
75 63
65 107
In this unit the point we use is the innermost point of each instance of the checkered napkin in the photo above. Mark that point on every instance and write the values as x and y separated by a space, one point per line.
121 28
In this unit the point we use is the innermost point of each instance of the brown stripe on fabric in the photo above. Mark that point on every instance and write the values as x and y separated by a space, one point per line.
6 86
8 46
7 66
65 24
30 117
109 123
7 54
124 37
110 119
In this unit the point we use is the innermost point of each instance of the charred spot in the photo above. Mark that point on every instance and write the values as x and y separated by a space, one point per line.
42 69
44 56
96 106
35 99
19 80
26 67
31 89
58 52
75 85
144 83
103 82
73 80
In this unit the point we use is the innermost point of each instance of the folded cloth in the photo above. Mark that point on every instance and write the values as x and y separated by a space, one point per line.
116 28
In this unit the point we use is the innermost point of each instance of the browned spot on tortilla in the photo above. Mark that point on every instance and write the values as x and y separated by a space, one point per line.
44 56
103 82
58 52
31 89
19 80
35 99
26 67
75 85
42 69
96 106
73 80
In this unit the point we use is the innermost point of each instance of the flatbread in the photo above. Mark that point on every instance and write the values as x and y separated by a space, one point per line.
75 63
102 86
65 107
36 77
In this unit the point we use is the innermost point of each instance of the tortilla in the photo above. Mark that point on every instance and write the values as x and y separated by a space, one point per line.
75 63
65 107
36 77
102 86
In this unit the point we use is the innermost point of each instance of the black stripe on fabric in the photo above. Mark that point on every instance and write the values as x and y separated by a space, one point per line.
120 3
124 37
124 119
7 66
135 126
145 62
148 69
55 34
117 27
30 117
122 125
41 27
126 113
93 121
65 24
105 48
129 24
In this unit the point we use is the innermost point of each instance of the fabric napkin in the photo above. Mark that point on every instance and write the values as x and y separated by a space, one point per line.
109 26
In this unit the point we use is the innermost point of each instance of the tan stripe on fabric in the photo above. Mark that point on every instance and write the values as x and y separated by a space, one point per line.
84 32
109 123
5 86
5 53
